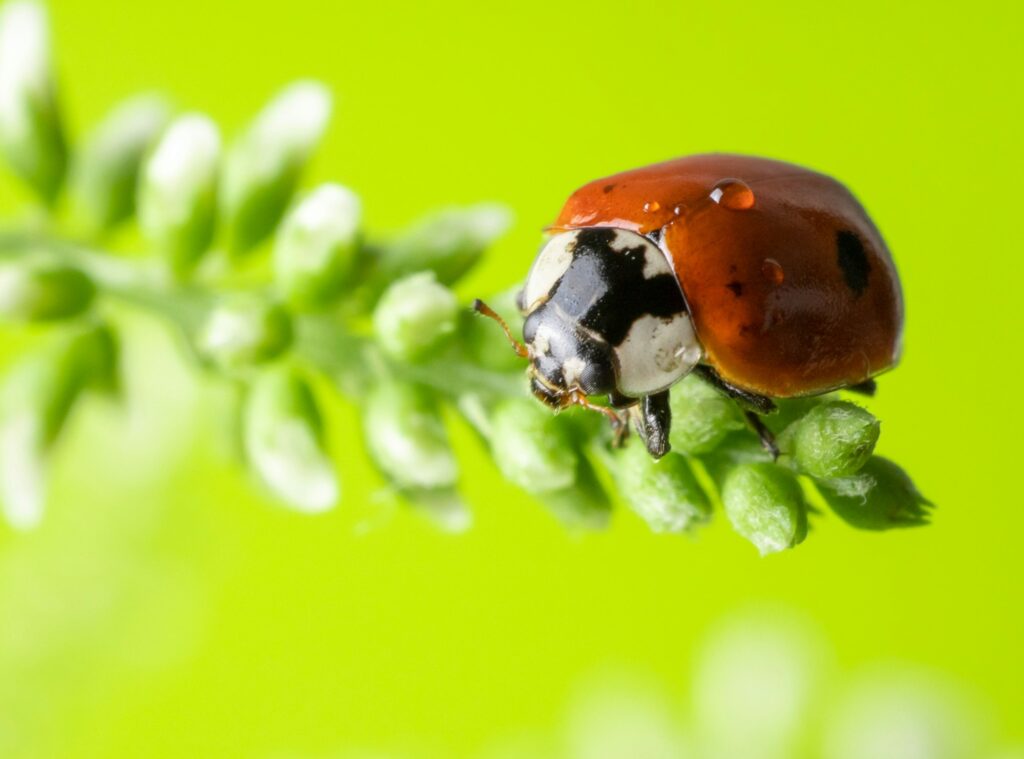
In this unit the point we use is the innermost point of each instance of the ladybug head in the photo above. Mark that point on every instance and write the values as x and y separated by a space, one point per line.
565 359
605 315
564 362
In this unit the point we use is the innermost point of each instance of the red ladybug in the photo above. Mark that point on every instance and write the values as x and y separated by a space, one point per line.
766 278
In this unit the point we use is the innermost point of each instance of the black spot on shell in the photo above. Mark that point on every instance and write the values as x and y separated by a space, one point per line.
736 288
853 261
608 187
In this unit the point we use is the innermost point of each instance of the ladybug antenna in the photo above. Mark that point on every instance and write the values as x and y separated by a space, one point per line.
482 308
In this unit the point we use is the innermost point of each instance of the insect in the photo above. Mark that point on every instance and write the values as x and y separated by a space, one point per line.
767 279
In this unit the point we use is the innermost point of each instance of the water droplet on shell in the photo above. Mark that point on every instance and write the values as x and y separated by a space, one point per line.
734 194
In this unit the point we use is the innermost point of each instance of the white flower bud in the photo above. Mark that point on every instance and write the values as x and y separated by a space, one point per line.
245 331
43 291
284 442
448 242
31 135
262 167
407 439
106 170
177 191
35 401
316 246
414 315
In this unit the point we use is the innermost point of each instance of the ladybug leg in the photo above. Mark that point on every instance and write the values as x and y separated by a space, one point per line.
763 433
753 406
748 401
653 421
619 426
867 387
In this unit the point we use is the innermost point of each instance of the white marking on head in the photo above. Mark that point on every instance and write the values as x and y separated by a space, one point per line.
551 263
541 344
656 353
556 256
572 370
655 260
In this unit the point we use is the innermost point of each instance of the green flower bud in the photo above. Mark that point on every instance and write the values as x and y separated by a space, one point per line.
765 505
106 170
35 402
448 242
31 134
664 493
243 331
701 416
178 191
881 496
263 166
407 439
832 440
531 448
316 246
584 504
43 291
283 438
414 315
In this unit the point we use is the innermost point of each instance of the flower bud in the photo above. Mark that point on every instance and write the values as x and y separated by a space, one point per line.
879 497
584 504
31 134
106 170
664 493
283 437
43 291
832 440
531 448
178 191
35 401
316 246
765 504
406 437
243 331
448 242
414 315
263 166
701 416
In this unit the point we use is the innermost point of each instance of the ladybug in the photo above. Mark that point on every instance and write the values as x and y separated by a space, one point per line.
767 279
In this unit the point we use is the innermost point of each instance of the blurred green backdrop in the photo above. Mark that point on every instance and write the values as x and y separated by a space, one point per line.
166 608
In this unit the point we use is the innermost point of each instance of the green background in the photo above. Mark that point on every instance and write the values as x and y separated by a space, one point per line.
167 608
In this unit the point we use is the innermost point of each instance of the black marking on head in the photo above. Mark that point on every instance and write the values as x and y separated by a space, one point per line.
605 290
853 261
736 288
655 236
608 187
564 342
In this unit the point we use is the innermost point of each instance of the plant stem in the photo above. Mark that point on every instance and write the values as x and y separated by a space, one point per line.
323 340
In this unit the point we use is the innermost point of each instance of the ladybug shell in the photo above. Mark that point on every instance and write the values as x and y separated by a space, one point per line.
790 286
